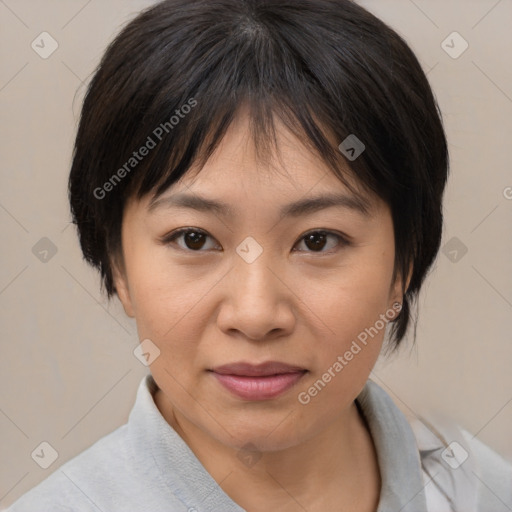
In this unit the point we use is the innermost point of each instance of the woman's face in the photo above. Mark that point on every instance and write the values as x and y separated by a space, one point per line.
294 270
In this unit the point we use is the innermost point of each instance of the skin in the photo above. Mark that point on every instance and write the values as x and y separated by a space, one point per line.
296 303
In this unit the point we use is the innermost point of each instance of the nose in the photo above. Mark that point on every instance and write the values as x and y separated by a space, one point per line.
256 304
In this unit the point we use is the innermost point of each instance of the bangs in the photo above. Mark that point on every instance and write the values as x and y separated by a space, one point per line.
271 75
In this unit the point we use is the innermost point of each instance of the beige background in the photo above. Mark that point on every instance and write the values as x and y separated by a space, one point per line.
67 372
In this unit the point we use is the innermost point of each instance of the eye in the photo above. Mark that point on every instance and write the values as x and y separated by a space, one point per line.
317 241
195 239
192 239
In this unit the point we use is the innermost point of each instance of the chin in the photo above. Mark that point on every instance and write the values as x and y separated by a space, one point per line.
267 435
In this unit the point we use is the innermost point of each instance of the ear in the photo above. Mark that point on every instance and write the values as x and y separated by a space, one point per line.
399 287
122 288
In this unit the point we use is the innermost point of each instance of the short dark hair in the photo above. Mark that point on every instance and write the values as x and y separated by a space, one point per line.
175 77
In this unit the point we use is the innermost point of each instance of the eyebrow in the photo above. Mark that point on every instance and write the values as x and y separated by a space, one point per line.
296 209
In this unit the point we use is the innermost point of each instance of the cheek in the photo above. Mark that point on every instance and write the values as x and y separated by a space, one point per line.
169 305
351 341
159 292
349 298
348 305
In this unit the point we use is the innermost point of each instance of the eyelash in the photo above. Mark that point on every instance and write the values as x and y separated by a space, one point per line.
169 239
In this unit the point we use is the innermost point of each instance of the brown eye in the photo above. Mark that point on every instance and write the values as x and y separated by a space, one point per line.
316 241
194 240
191 239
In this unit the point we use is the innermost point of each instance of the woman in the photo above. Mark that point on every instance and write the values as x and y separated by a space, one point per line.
260 183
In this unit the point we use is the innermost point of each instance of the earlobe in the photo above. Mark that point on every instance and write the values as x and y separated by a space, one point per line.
123 291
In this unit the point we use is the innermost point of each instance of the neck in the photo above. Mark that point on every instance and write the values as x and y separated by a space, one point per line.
336 469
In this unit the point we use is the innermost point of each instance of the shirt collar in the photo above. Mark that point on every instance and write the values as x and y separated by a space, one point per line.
402 486
176 468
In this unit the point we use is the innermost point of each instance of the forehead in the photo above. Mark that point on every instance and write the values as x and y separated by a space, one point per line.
243 186
287 168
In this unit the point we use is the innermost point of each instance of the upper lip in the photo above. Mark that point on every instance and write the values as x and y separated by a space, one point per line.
243 369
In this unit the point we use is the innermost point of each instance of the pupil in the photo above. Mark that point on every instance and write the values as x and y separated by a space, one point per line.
315 241
194 240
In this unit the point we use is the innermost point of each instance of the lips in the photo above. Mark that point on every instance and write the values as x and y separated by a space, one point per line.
258 382
259 370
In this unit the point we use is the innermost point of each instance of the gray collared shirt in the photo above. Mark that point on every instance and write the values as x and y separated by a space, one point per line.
145 466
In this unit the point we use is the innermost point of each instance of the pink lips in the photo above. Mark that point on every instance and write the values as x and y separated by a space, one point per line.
258 382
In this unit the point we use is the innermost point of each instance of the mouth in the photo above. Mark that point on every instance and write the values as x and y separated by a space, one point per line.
258 382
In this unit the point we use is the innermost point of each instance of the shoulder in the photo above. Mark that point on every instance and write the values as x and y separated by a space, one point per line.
113 473
460 470
494 475
72 486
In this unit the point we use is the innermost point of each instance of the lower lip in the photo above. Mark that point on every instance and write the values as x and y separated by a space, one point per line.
259 388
